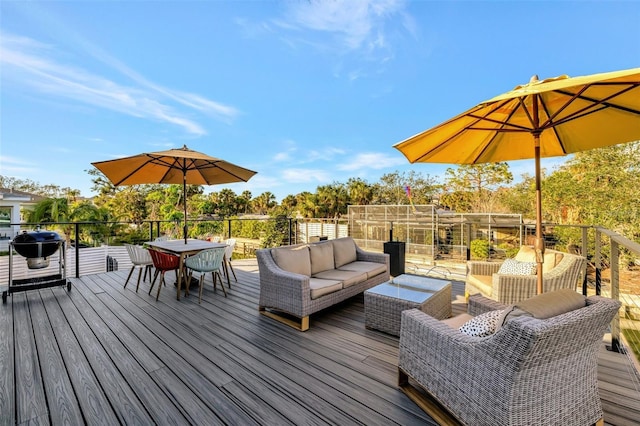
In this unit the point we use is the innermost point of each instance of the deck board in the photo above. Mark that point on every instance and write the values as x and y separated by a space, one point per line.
101 354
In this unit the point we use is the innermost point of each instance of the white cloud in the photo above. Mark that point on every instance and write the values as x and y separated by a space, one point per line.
305 175
356 24
11 166
372 160
33 64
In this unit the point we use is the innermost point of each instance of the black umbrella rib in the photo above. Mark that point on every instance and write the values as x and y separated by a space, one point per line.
134 171
215 164
604 101
478 118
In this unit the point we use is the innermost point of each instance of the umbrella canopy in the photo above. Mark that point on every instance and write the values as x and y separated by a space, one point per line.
175 166
544 118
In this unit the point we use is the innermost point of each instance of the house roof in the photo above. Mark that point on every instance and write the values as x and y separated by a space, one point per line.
10 194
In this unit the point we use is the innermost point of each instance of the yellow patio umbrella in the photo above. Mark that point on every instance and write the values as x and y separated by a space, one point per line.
543 118
175 166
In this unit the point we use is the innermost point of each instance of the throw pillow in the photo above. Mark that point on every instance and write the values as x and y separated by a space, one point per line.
526 254
482 325
515 267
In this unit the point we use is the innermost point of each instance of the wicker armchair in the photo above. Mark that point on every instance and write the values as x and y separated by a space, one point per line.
529 372
483 278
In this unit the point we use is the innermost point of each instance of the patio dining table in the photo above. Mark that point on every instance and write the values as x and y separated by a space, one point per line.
179 248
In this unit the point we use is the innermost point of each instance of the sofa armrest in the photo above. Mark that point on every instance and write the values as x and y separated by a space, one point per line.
475 267
280 288
479 304
370 256
510 289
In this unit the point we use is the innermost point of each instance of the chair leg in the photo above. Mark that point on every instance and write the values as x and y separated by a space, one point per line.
153 282
139 275
217 273
147 270
201 286
160 285
232 271
129 276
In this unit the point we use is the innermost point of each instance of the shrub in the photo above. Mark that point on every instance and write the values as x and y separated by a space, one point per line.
479 249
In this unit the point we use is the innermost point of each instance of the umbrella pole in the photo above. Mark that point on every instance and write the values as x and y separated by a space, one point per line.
184 194
539 246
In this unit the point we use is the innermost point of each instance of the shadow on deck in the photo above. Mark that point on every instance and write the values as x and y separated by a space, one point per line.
103 355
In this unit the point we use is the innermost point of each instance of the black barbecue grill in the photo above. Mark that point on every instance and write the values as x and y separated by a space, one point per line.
37 247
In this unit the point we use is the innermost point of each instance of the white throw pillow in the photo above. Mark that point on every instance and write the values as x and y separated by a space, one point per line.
482 325
515 267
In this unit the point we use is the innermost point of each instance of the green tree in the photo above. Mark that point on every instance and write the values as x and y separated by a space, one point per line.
477 184
264 202
333 199
359 191
392 188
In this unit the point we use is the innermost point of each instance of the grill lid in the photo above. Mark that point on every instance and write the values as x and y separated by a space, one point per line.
34 244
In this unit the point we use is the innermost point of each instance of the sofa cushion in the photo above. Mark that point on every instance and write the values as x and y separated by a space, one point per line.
371 268
484 283
516 267
526 254
294 259
546 305
344 251
482 325
321 257
320 287
348 278
457 321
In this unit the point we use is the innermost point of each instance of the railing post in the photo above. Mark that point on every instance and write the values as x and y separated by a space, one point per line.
615 295
229 228
76 226
290 233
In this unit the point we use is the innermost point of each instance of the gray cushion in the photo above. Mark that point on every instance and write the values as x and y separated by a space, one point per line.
344 251
321 257
293 259
546 305
457 321
371 268
348 278
321 287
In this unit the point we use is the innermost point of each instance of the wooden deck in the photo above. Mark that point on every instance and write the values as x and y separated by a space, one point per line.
101 354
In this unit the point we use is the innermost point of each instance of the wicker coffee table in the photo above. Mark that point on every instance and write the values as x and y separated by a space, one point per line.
384 303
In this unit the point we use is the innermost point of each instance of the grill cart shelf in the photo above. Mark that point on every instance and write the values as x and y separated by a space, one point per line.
37 247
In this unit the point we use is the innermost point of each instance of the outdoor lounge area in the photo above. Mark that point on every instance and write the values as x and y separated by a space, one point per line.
103 354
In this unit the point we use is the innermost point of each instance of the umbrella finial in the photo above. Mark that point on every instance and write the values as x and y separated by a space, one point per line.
534 78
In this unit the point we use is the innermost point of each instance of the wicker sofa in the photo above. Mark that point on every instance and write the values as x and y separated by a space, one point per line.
299 280
560 270
530 371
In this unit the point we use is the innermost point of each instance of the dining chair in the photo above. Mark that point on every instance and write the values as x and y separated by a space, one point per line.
163 262
209 260
141 259
228 252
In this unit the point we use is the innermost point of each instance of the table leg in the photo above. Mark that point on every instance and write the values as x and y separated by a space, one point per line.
179 275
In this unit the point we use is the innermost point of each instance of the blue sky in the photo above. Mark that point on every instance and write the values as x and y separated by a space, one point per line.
304 92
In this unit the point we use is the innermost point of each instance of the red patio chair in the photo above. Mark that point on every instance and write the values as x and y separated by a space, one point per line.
163 262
